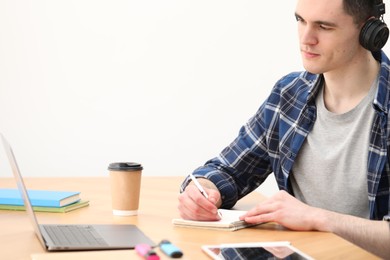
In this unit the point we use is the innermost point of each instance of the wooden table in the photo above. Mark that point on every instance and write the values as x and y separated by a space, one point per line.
158 205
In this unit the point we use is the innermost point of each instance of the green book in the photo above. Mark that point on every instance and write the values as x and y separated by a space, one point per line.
67 208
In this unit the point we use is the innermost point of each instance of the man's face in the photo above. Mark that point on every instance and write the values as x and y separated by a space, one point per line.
329 38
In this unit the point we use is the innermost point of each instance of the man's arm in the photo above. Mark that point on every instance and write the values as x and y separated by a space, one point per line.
284 209
374 236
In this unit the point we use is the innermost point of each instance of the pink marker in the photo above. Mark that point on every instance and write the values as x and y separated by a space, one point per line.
146 252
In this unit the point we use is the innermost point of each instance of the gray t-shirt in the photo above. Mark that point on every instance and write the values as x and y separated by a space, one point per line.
330 171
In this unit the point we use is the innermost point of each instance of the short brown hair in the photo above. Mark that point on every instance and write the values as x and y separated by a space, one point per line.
360 10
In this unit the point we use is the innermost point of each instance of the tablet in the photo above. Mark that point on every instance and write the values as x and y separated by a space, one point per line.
253 251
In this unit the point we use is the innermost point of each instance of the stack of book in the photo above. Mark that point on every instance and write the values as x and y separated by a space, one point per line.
42 200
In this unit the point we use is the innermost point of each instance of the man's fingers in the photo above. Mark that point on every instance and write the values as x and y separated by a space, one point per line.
193 205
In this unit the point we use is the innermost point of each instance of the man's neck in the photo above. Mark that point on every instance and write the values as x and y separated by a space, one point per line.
345 88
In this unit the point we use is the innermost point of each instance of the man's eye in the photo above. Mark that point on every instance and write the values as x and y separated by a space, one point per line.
324 27
299 19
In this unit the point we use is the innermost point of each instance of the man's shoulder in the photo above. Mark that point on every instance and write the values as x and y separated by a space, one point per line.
301 77
297 82
295 87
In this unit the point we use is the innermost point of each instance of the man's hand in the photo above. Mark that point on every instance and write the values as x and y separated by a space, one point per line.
285 210
193 205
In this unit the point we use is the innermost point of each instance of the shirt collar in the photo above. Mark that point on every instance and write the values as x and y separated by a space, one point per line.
317 80
381 101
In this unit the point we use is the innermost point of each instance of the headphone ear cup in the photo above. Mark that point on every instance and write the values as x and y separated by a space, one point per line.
374 35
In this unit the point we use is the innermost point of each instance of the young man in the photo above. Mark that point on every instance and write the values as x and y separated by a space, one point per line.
324 133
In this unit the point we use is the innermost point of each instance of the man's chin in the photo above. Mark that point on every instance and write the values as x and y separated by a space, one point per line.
313 69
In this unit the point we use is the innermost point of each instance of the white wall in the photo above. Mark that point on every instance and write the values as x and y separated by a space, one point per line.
165 83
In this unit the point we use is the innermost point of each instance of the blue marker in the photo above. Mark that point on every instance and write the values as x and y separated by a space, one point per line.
170 250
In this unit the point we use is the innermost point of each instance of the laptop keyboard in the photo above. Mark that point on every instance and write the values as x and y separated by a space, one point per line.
74 235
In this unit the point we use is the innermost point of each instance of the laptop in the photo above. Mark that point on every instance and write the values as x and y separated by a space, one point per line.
72 237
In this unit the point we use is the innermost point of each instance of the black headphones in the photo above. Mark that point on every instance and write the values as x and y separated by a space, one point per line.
374 33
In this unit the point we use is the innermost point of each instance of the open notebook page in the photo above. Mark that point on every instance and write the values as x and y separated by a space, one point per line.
229 221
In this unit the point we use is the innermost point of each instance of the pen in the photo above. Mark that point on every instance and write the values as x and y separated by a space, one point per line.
170 250
200 188
197 184
146 252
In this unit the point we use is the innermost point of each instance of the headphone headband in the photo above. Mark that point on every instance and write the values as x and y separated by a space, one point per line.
379 8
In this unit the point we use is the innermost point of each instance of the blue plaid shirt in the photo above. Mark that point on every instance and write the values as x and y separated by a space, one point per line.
272 138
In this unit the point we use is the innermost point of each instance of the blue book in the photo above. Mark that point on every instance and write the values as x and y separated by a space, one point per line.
42 198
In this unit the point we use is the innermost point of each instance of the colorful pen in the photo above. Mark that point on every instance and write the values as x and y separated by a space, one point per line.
146 252
170 250
200 188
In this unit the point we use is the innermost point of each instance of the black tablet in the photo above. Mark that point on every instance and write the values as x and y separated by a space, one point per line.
254 251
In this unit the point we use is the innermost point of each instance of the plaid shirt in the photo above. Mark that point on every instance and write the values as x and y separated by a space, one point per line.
271 139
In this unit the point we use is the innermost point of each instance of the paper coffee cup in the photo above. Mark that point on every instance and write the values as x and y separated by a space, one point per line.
125 179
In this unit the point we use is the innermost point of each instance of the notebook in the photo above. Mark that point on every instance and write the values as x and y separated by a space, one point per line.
62 237
229 221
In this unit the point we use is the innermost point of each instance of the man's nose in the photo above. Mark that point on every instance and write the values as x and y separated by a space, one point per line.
308 35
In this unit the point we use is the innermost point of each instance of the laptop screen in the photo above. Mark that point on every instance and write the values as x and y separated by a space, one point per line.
22 188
